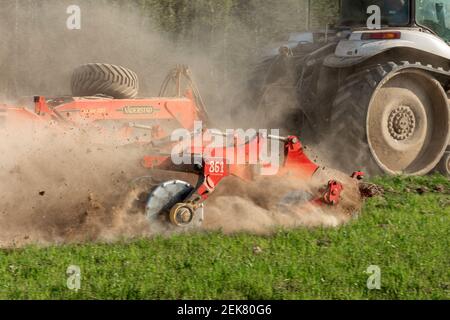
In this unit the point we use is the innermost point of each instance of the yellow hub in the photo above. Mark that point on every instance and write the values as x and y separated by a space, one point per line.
181 215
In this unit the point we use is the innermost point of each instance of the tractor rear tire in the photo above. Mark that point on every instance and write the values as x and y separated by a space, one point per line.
390 120
104 79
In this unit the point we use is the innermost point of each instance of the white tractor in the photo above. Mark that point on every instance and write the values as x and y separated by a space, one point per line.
377 97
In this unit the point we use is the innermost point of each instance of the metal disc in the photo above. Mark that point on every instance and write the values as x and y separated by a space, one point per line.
165 196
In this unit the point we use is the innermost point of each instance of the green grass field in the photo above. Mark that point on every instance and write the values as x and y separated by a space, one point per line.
404 233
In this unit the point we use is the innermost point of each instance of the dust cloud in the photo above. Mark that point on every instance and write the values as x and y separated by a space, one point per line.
38 53
270 203
60 186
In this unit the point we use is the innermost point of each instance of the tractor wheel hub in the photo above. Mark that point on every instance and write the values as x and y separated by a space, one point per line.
402 123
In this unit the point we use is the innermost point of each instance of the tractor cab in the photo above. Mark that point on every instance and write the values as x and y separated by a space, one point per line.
414 29
393 12
431 15
434 15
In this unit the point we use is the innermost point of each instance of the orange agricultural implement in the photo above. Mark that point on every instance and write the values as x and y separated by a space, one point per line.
149 124
182 204
112 116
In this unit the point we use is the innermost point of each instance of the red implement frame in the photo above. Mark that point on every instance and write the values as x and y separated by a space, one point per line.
214 167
